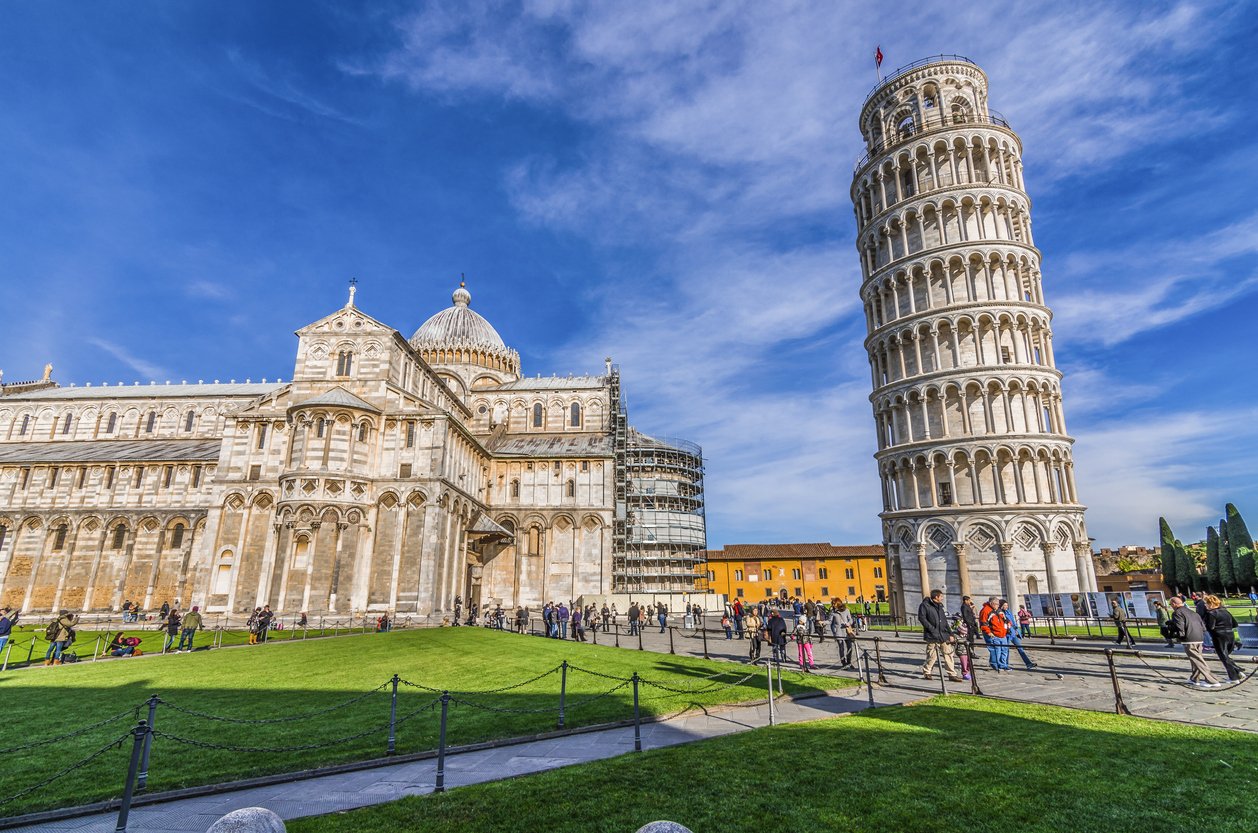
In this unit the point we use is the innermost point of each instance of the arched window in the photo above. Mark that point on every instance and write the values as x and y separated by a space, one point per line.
112 424
960 111
572 488
4 531
320 424
575 416
362 433
26 421
515 488
176 537
120 536
905 127
65 424
152 421
410 434
537 415
535 540
187 420
59 538
261 436
344 363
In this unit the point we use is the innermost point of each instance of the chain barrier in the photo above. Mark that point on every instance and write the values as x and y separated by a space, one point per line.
572 667
114 744
1228 686
128 713
268 720
300 748
511 687
499 709
585 701
669 691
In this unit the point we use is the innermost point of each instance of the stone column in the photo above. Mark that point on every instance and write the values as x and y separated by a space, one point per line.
1083 564
1008 574
963 567
923 570
1050 571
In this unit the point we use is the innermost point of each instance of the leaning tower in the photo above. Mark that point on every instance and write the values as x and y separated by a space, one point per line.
978 485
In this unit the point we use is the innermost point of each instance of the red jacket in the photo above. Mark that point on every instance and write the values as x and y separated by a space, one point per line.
996 625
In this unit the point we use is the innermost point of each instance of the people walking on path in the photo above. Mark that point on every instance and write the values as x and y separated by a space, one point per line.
996 629
661 613
727 626
188 628
578 635
803 644
8 619
971 625
60 635
172 624
755 630
1024 622
937 636
1164 622
961 633
1118 612
776 629
562 615
1199 604
739 615
1015 636
845 628
1221 625
1187 627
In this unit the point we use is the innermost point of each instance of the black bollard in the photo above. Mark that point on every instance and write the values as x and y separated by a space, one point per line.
143 778
141 733
563 689
670 641
640 630
440 786
1119 706
869 680
882 677
768 672
616 630
594 631
704 630
969 651
637 719
392 749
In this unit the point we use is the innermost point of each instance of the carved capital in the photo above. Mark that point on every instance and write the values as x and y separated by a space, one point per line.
1006 550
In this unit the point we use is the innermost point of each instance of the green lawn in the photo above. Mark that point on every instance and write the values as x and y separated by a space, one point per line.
281 680
943 766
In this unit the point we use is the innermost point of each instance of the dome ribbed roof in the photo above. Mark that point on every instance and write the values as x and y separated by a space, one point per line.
458 326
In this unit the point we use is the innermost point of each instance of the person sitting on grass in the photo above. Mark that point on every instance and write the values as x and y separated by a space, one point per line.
122 645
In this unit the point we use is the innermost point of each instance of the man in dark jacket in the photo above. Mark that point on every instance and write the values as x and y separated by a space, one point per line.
937 635
776 628
1186 626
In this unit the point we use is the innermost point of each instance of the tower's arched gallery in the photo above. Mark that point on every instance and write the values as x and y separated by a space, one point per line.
978 483
389 474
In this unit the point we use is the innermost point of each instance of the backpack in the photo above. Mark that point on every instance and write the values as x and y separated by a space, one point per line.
51 632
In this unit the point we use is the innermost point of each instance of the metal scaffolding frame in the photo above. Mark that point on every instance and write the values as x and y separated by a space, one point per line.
659 531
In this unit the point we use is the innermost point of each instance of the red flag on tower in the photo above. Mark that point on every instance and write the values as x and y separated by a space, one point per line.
878 57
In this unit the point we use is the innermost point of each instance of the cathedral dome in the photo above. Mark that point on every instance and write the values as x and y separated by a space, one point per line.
458 326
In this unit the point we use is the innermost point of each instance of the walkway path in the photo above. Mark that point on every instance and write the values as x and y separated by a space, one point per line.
346 791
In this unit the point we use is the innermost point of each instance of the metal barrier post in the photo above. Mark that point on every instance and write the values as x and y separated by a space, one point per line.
943 673
143 779
7 651
704 629
974 689
779 665
670 640
594 630
768 673
882 678
563 688
640 630
393 718
616 630
31 652
141 733
441 745
96 650
869 680
637 718
1119 706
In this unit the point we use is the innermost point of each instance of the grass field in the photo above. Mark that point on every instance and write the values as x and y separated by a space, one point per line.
290 680
943 766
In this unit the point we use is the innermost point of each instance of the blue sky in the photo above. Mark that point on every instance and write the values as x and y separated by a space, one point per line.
183 185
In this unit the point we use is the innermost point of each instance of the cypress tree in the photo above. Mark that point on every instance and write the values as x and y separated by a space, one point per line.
1227 567
1212 559
1184 569
1168 554
1242 545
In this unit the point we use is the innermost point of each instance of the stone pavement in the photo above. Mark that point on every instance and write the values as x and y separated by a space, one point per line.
346 791
1151 687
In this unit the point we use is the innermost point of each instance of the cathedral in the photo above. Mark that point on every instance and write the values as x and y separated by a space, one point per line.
389 474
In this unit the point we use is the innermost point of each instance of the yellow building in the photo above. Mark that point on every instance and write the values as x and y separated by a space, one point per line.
807 571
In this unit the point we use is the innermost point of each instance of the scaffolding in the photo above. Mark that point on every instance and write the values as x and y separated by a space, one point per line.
659 530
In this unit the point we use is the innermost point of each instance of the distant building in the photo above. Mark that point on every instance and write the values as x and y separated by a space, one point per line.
1111 578
755 572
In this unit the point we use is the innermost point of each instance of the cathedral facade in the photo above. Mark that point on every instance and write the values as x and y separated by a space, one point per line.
390 474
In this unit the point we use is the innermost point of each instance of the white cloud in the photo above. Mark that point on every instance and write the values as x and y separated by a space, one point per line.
147 369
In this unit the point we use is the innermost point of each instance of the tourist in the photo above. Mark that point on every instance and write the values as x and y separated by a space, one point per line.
634 613
252 624
577 634
755 627
126 611
1221 625
189 627
803 644
173 621
842 622
8 618
961 633
997 628
1015 638
302 621
727 626
60 635
121 645
937 636
971 624
605 617
264 622
1164 622
1024 622
739 614
165 610
1187 627
985 613
562 615
1118 612
661 613
776 630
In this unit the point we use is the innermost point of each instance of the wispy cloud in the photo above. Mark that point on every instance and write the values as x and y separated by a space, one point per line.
278 96
149 370
209 290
